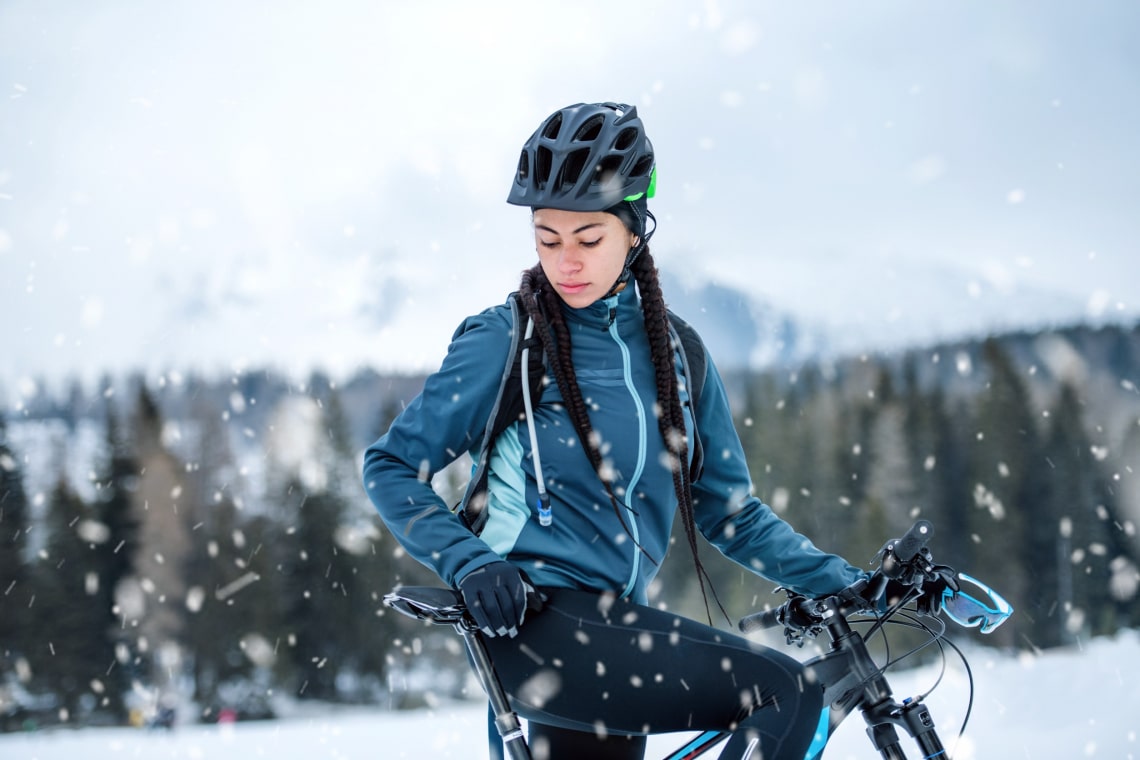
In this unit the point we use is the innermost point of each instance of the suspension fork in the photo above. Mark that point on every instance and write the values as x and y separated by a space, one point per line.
912 716
874 698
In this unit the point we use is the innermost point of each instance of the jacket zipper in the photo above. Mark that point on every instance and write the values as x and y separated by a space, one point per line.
627 370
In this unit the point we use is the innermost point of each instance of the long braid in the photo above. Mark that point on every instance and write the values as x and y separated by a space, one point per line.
670 414
544 307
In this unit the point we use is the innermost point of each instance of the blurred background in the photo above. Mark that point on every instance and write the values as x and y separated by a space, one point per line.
234 236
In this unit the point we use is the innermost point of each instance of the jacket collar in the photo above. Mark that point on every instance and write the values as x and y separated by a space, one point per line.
601 313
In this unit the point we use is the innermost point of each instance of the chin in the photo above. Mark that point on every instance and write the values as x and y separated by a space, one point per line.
579 300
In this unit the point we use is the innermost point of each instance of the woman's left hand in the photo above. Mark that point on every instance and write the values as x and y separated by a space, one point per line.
496 596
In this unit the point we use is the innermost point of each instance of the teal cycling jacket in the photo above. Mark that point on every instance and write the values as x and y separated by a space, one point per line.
586 545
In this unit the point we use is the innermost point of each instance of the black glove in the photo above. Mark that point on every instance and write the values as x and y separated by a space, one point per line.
893 593
496 596
940 578
798 615
929 598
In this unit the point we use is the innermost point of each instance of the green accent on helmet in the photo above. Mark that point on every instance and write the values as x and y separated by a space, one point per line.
649 192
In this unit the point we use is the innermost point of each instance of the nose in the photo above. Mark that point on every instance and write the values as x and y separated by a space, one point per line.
569 259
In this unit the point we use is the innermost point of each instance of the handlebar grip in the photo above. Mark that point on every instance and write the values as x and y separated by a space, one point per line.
760 620
913 541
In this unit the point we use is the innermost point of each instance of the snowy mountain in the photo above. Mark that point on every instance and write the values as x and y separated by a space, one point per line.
843 307
397 317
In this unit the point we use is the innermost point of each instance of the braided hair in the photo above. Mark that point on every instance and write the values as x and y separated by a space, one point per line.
544 307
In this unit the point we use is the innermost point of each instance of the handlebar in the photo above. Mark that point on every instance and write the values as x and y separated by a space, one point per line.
913 541
905 560
759 621
852 678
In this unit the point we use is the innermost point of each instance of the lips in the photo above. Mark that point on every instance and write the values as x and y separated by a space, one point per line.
576 287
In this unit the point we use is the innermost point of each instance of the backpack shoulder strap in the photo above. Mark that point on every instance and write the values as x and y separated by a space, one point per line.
694 363
507 409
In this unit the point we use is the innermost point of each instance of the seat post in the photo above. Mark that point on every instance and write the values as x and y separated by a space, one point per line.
507 723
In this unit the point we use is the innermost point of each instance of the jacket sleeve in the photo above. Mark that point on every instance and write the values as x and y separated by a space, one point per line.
447 418
741 526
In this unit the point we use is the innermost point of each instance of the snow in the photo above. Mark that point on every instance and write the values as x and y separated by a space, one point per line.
1072 703
892 169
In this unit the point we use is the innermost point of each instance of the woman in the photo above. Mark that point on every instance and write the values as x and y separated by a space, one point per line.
595 670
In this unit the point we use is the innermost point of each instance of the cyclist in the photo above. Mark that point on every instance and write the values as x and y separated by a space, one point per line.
582 493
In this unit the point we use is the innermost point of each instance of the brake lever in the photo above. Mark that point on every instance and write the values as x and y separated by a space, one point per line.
799 623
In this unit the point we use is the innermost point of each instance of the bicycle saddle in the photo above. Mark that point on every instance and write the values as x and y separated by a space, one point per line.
434 603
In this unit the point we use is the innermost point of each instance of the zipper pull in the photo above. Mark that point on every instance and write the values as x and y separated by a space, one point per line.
612 303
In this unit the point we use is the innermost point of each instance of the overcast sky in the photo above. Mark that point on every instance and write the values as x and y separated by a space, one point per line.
215 184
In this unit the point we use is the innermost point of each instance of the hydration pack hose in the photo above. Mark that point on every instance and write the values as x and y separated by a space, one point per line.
545 517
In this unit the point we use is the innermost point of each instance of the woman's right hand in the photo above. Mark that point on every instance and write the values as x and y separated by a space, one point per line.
496 596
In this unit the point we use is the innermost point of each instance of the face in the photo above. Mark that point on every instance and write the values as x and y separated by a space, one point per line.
582 252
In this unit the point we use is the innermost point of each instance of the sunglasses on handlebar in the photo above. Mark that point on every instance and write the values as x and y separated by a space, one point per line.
975 604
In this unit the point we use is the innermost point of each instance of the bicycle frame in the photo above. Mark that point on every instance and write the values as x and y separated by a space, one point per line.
850 678
851 681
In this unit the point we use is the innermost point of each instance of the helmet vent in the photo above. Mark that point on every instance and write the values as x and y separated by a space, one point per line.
625 138
643 166
524 167
542 161
572 168
553 127
607 168
590 130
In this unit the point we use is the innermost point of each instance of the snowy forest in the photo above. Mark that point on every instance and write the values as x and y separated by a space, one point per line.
202 541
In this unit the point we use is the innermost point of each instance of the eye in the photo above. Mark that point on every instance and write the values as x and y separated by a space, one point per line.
591 243
548 243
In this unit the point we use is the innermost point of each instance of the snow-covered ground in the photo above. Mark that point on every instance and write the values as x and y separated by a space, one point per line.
1063 704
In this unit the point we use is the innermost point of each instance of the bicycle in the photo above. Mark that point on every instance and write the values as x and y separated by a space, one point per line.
850 677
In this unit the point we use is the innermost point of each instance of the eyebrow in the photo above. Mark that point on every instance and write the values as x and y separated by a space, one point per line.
583 228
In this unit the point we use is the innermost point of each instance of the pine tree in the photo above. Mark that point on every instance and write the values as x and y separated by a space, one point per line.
75 657
223 590
366 549
116 481
1090 538
16 592
155 507
867 527
890 455
823 469
948 485
315 584
1125 579
1012 537
319 574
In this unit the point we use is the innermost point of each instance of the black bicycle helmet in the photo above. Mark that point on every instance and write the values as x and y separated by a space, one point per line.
586 157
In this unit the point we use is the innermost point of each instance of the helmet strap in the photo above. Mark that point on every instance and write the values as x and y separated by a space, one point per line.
635 251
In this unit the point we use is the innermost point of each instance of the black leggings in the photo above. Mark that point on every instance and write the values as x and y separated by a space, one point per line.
593 674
